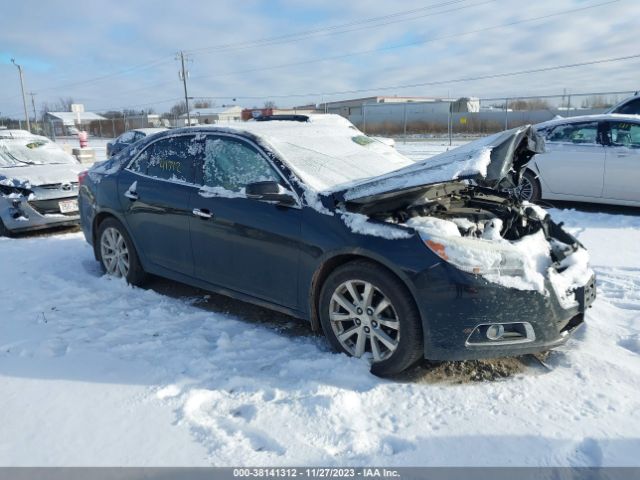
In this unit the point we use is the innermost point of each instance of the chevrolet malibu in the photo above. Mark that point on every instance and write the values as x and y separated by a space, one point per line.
393 260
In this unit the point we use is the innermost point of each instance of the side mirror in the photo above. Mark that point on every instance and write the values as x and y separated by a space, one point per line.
270 191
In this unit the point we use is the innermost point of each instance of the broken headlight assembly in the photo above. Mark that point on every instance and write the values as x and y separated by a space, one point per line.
476 255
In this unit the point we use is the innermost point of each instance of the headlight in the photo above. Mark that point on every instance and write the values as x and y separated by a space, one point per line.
475 255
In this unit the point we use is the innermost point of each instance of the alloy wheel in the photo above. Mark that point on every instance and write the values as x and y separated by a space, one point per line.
364 321
114 252
525 189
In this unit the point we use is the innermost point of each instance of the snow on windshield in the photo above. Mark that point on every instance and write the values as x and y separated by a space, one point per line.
32 151
326 152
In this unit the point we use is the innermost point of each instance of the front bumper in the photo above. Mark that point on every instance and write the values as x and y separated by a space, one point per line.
457 305
23 215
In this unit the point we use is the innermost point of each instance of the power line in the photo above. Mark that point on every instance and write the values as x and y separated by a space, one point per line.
252 43
439 82
410 44
382 49
335 29
101 78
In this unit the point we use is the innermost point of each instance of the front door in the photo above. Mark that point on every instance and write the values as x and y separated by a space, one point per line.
154 191
573 163
239 243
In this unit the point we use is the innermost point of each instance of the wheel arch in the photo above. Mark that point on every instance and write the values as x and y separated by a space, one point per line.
95 226
331 263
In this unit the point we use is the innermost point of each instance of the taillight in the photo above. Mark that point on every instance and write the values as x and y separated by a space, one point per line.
82 176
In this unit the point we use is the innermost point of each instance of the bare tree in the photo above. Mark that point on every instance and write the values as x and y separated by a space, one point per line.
64 104
270 104
178 109
532 104
202 104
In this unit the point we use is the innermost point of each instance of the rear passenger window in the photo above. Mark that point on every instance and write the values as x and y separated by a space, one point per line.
583 133
233 164
172 158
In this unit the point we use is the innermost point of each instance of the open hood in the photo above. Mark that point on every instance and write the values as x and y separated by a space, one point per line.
496 162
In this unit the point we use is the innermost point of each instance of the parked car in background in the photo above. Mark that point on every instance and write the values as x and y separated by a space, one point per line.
593 158
38 185
629 106
129 138
393 260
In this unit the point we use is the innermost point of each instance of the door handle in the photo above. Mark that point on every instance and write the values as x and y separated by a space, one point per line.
623 154
204 213
131 195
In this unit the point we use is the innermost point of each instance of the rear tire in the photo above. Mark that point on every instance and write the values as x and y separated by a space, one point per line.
366 311
117 254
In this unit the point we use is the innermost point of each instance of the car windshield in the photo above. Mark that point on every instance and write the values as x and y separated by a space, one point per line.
329 152
32 152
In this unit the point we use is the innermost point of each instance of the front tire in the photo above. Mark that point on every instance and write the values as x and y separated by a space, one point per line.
366 311
529 188
117 254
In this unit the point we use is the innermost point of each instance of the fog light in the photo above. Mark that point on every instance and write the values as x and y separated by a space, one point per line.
495 332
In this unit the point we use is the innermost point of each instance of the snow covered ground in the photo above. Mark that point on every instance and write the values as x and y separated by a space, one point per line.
94 372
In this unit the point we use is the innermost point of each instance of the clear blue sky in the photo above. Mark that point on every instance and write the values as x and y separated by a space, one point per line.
114 55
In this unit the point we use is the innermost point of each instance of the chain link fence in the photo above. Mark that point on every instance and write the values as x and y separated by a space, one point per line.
402 120
483 115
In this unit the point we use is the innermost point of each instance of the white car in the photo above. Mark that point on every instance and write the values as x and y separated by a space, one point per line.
38 184
594 158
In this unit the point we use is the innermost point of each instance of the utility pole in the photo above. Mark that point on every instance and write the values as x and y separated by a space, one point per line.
35 116
183 76
24 100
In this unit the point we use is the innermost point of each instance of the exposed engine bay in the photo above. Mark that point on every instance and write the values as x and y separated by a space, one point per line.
477 212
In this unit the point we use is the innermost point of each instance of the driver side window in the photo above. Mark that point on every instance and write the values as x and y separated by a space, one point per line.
577 133
624 134
233 164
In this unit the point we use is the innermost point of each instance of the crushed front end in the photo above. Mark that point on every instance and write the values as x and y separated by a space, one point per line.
508 279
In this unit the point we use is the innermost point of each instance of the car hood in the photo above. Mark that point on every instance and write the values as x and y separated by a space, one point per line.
34 175
495 161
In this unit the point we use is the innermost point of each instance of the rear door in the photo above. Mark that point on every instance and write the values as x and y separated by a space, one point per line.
154 191
622 177
573 163
243 244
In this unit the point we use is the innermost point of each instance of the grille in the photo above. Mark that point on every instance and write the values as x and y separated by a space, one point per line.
44 207
58 186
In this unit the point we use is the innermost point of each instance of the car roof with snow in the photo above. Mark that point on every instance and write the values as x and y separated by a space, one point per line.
150 130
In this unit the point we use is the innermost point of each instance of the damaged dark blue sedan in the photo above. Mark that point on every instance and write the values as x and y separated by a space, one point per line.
393 260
